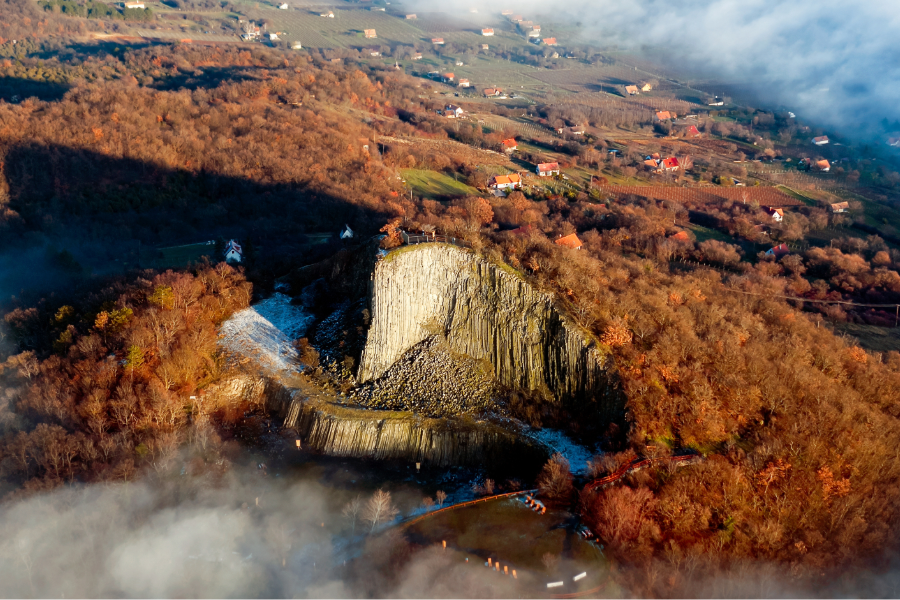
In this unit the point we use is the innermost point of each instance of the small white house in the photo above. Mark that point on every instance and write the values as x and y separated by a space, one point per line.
777 214
453 111
547 169
283 6
133 4
346 233
821 140
273 37
233 252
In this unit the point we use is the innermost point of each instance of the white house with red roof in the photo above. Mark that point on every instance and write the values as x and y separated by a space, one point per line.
233 252
547 169
487 32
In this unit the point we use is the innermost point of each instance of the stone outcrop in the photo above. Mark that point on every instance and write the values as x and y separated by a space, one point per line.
338 430
486 312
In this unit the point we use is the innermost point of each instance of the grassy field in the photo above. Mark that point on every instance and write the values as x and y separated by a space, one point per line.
431 184
177 256
797 195
705 233
871 337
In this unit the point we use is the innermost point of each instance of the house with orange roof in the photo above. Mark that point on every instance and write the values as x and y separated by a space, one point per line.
491 92
547 169
569 241
821 140
487 32
670 164
411 17
464 83
632 90
505 182
448 77
823 165
663 115
776 213
549 41
437 41
510 145
840 207
681 236
370 33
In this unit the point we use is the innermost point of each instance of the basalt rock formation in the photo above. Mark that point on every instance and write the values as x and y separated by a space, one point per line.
488 313
348 431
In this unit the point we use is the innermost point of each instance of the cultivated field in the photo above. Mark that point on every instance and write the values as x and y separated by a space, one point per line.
344 30
765 196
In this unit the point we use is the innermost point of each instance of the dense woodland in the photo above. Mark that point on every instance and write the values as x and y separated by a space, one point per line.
163 144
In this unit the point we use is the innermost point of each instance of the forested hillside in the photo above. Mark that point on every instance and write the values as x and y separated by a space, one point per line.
164 144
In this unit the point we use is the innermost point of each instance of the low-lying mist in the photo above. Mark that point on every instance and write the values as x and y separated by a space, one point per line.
233 533
833 63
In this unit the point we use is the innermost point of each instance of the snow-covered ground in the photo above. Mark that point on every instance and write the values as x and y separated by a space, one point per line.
264 332
577 455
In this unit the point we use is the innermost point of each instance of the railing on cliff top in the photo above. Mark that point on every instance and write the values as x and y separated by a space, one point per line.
425 238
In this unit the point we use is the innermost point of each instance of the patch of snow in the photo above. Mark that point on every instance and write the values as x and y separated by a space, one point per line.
577 455
264 332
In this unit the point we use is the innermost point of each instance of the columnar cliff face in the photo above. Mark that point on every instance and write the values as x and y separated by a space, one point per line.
385 435
487 313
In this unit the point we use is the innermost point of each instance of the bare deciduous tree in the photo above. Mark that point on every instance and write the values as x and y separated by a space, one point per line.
379 508
441 495
351 511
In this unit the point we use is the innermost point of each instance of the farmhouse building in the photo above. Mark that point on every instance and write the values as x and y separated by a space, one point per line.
411 17
134 4
549 41
452 111
510 145
327 15
370 33
547 169
821 140
777 214
484 46
437 41
681 236
487 32
233 252
464 83
505 182
692 131
646 87
716 102
448 77
283 6
632 90
840 207
374 52
823 165
569 241
417 56
491 92
663 115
